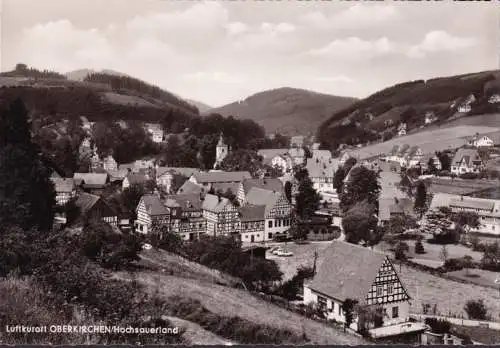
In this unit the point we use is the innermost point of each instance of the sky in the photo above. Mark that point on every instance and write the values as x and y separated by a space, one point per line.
219 52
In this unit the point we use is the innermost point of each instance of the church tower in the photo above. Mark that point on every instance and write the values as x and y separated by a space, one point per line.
221 151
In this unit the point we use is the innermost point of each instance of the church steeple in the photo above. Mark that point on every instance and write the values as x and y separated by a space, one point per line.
221 141
222 150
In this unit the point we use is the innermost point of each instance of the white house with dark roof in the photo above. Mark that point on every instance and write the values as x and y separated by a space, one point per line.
349 271
150 210
481 141
165 175
466 161
488 210
321 173
221 215
109 164
134 179
322 155
278 211
65 189
253 220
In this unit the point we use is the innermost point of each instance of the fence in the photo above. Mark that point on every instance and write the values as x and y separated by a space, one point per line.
460 321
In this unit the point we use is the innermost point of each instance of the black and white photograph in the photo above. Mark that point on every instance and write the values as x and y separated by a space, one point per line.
249 172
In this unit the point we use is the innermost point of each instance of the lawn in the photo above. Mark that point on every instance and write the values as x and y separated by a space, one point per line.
433 251
478 276
195 334
228 301
479 334
450 296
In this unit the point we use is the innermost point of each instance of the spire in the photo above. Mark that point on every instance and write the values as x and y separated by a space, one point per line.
221 141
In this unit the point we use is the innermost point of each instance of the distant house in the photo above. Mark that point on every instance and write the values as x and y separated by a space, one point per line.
94 207
315 146
385 166
221 215
150 211
350 271
426 159
186 215
165 175
190 187
252 219
402 129
284 162
269 184
208 179
321 173
430 117
134 179
65 189
344 157
391 207
298 155
322 155
406 155
465 105
481 141
93 183
117 176
278 211
466 161
155 132
494 99
297 141
109 164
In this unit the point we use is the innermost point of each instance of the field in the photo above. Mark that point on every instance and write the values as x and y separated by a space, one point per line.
479 334
429 141
230 301
433 251
195 334
478 276
450 296
123 99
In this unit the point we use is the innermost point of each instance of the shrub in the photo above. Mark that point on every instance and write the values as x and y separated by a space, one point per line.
458 264
419 247
476 309
438 326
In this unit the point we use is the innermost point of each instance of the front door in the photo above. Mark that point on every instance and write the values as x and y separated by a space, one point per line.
252 239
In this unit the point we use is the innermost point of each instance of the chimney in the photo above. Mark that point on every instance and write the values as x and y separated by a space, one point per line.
219 198
202 197
461 198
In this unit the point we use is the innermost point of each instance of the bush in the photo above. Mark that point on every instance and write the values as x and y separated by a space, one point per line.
469 176
449 236
419 247
476 309
457 264
438 326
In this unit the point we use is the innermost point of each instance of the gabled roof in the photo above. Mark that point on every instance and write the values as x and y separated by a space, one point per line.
154 206
63 184
251 212
271 153
347 271
388 206
86 201
296 152
214 203
220 176
117 175
224 186
267 198
187 202
190 187
468 155
176 170
266 184
91 179
471 203
321 169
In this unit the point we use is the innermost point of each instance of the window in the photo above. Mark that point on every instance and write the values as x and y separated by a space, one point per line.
270 224
395 312
322 302
380 291
390 288
275 223
270 235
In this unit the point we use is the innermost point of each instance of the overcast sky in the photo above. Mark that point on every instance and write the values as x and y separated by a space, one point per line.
219 52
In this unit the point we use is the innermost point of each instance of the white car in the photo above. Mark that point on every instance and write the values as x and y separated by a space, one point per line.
277 250
284 253
147 246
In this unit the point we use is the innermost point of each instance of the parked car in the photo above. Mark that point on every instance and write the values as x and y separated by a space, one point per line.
146 246
277 251
285 253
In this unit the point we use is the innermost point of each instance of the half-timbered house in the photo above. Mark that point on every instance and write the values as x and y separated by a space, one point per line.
94 207
186 215
245 186
252 223
65 189
349 271
151 211
221 215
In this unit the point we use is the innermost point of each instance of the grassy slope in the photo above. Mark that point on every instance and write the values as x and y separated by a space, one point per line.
287 110
198 282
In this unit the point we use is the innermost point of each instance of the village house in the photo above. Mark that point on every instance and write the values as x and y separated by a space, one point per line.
109 164
321 173
402 129
488 210
186 215
466 161
315 146
207 180
278 211
298 155
135 179
494 99
117 176
221 152
165 176
379 165
155 132
270 184
430 117
297 141
322 155
480 141
344 157
93 183
392 207
465 105
94 207
252 219
430 158
221 215
151 211
407 156
65 189
349 271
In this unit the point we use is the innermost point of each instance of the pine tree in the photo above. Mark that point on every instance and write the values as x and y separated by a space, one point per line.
27 196
307 200
421 199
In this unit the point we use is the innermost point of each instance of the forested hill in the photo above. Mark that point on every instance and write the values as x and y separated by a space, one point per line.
99 97
377 117
289 111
